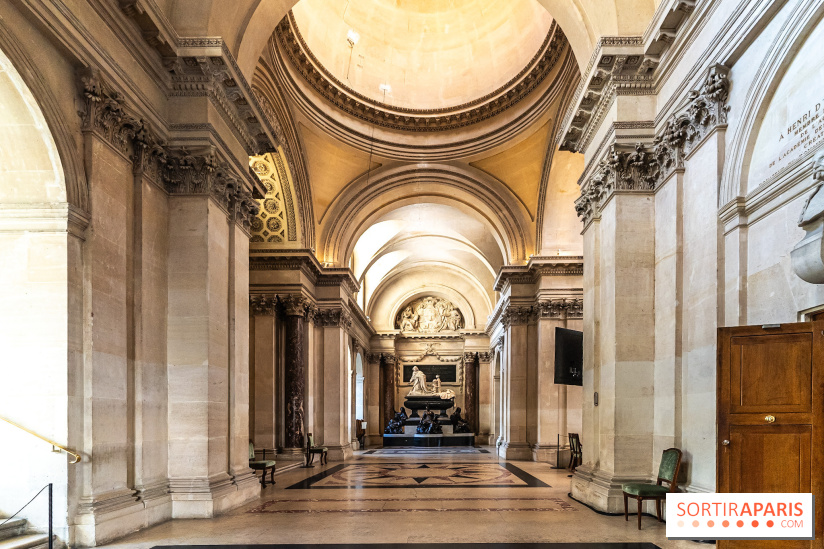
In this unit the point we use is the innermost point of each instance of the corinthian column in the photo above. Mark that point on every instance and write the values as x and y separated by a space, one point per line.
388 369
295 371
471 390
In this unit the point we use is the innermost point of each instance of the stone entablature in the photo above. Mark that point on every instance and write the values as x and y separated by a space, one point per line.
642 167
620 65
176 169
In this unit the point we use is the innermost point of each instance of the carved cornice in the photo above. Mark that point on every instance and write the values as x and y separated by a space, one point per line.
647 165
306 262
292 45
620 65
537 267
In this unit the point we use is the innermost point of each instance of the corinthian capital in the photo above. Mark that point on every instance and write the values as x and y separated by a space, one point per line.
294 304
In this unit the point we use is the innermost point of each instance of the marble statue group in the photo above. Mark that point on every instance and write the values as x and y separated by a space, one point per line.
420 388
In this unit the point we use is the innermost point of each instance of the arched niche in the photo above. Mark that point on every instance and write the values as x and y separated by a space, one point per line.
40 297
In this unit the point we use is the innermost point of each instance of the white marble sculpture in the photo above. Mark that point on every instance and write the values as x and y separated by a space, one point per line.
808 254
419 387
429 315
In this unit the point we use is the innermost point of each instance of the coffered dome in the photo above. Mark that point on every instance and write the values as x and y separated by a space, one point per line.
434 54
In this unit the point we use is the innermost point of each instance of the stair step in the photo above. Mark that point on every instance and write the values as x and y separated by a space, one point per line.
12 528
29 541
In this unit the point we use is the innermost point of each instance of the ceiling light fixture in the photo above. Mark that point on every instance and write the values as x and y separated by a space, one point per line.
385 88
352 38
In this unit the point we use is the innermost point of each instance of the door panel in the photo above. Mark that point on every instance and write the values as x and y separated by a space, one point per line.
777 373
770 458
770 411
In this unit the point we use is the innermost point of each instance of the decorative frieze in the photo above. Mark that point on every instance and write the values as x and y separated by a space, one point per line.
563 307
645 166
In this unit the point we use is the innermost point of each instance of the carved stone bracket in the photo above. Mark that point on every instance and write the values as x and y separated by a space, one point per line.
647 165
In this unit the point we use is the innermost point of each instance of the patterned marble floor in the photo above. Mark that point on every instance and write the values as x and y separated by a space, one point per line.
404 451
421 475
389 499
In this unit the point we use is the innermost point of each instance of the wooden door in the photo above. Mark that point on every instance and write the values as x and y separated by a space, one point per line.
770 414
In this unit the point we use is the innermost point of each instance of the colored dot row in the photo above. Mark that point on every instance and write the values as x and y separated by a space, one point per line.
726 524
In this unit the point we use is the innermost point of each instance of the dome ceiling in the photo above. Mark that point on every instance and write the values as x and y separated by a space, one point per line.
434 54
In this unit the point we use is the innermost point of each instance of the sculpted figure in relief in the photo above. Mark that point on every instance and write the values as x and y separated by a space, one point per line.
430 315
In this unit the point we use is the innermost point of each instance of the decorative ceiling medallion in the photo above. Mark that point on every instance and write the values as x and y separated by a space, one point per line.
294 48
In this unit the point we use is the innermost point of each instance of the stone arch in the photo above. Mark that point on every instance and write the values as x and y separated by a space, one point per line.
43 200
738 179
55 135
383 308
354 211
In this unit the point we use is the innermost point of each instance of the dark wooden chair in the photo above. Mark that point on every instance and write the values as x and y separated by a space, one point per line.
667 472
360 432
262 464
312 451
576 454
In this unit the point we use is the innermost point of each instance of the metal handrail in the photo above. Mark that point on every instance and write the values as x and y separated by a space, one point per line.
77 457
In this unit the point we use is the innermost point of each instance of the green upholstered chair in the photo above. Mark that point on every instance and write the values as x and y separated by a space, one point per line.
262 464
312 451
667 472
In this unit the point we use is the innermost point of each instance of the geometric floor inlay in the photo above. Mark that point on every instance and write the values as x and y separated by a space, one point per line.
419 505
401 451
406 475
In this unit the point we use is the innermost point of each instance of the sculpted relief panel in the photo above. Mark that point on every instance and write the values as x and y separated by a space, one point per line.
429 315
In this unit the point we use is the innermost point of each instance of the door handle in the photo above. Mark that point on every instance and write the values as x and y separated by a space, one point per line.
725 443
770 419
